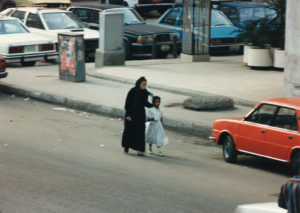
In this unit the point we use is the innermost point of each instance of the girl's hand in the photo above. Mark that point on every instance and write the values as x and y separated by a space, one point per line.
128 118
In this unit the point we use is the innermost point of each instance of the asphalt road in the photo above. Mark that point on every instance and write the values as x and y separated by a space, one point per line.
54 159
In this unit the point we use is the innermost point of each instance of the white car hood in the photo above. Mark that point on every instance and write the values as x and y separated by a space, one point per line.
87 33
271 207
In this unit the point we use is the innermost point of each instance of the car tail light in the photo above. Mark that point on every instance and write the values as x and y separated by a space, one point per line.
140 41
47 47
17 49
2 64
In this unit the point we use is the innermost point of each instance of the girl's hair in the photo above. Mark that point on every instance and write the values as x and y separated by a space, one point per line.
155 98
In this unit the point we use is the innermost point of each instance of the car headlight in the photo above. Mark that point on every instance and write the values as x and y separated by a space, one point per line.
145 39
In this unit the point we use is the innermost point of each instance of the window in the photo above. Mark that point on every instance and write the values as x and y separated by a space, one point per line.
234 16
19 14
263 115
286 118
93 16
11 27
62 20
87 15
34 21
225 10
219 19
171 18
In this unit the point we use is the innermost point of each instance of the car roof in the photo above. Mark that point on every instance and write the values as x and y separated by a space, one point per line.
99 6
181 9
40 9
292 102
8 18
243 4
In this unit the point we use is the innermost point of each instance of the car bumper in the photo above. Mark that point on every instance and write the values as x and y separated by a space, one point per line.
223 48
30 57
3 74
146 49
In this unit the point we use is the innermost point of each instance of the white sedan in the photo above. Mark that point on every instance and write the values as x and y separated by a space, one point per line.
50 22
19 45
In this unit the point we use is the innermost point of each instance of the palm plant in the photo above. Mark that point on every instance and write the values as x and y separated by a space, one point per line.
256 33
278 22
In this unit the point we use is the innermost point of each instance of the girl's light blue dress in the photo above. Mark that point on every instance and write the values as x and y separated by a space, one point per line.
155 133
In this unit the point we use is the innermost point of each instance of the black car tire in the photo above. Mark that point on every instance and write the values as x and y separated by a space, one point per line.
295 164
127 50
229 151
28 63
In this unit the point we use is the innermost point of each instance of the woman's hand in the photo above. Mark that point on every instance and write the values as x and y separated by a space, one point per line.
128 118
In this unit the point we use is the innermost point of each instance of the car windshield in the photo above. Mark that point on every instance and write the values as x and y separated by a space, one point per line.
131 16
12 27
62 20
219 19
252 14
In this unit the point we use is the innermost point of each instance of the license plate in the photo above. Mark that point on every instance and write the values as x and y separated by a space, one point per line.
30 48
165 47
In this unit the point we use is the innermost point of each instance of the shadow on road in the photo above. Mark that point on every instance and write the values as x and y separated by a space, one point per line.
264 164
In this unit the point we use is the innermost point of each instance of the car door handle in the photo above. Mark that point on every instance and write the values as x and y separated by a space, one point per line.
291 137
263 131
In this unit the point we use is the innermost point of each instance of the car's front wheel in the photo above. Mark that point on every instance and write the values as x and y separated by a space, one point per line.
28 63
229 151
296 164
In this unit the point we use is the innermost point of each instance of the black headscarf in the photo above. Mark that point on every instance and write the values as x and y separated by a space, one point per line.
139 81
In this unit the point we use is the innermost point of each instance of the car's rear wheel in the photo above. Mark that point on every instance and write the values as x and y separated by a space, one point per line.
229 151
296 164
28 63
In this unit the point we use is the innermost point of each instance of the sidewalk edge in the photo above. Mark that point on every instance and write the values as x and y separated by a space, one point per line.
170 124
181 91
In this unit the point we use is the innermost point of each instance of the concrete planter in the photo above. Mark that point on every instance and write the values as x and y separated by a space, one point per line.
279 58
245 57
260 58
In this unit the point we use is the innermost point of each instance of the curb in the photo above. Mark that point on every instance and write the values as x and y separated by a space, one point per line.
170 124
186 92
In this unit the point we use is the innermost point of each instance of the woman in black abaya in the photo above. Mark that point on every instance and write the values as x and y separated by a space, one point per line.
135 117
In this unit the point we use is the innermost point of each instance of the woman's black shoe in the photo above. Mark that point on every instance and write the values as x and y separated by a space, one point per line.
126 150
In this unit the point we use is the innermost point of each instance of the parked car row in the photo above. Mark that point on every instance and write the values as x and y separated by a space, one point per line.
138 35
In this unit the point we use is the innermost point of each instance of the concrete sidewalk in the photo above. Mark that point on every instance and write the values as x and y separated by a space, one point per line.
226 75
173 81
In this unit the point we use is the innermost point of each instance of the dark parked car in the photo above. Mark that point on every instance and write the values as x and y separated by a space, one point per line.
240 13
138 35
3 74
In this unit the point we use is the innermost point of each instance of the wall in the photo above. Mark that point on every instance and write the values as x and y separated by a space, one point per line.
292 45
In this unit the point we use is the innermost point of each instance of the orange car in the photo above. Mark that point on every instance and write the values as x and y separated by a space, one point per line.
270 130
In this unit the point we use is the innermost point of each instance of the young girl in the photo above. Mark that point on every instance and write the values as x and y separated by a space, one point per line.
156 133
